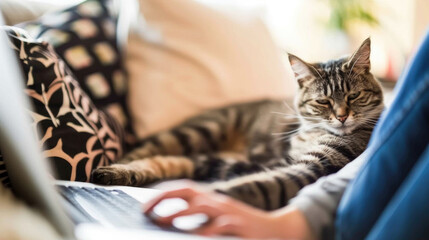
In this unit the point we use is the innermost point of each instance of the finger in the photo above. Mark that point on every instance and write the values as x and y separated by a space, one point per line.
183 193
208 210
223 225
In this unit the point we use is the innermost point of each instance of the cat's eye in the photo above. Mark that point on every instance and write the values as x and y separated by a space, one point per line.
323 101
353 96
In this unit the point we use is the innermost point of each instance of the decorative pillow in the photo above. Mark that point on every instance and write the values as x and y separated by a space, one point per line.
75 135
84 36
196 57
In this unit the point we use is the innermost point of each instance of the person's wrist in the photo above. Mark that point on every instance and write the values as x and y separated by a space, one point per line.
290 223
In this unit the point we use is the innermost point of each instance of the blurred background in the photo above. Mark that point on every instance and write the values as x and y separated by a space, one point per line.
185 56
315 30
318 30
181 58
322 29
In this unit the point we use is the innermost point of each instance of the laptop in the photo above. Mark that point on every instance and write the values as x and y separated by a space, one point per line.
76 210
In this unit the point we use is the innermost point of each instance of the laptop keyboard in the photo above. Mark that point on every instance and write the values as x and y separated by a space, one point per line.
108 207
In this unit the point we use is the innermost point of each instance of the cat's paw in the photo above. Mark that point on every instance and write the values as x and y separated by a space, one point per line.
117 174
143 152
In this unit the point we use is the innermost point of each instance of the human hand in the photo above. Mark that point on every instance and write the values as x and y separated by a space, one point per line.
231 217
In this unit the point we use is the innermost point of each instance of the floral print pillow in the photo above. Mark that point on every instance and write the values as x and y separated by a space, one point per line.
84 36
76 137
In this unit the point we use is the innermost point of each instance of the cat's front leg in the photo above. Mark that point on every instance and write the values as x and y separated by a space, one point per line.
144 171
116 174
261 194
270 189
145 150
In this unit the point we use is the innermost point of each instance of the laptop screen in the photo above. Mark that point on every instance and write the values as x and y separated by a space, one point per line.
27 171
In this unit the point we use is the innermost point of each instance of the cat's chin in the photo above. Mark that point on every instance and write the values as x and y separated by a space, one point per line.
342 130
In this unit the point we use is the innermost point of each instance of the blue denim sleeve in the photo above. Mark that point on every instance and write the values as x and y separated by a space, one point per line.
405 217
396 145
319 202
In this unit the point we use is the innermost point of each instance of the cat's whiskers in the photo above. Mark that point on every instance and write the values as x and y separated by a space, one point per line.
292 131
288 116
289 123
370 121
285 133
288 134
366 122
316 119
289 107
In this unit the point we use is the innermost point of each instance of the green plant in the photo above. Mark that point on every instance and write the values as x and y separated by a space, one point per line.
345 11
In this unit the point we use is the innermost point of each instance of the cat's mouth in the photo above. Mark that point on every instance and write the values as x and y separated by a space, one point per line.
342 129
346 128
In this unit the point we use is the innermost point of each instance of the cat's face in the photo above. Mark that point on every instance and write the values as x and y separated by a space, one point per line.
338 95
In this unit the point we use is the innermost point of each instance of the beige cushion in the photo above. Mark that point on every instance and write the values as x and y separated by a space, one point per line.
17 11
206 58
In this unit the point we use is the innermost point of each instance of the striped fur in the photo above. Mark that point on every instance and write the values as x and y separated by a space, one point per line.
264 152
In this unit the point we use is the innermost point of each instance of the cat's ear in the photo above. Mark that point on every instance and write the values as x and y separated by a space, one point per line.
359 62
302 70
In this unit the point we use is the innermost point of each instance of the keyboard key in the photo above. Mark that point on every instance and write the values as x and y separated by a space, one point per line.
115 206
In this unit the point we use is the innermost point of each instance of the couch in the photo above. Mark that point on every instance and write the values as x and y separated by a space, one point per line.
174 67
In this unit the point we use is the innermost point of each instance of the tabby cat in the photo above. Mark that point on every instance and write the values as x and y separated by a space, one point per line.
263 153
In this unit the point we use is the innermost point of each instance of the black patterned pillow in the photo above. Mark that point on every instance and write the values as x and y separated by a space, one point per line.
76 137
85 37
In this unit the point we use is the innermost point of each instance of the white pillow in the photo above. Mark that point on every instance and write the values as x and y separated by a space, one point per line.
205 59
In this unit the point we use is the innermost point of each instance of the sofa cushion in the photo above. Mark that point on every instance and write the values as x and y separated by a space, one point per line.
76 136
15 12
191 57
85 37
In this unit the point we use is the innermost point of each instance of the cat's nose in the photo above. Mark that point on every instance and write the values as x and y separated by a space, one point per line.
342 118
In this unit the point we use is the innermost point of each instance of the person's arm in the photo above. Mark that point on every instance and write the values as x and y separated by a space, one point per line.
228 216
319 201
310 215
